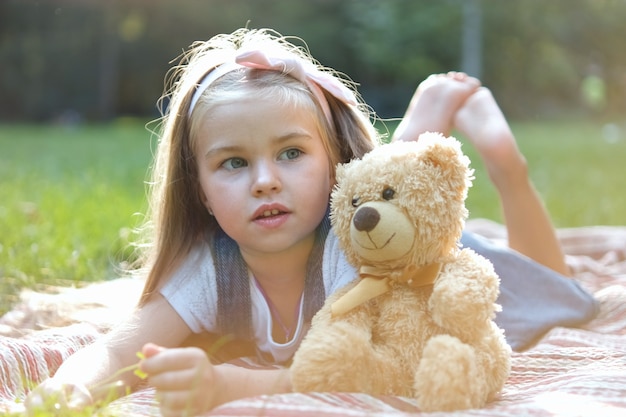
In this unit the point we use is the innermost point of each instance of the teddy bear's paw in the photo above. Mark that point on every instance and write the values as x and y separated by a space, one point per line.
448 377
463 298
340 358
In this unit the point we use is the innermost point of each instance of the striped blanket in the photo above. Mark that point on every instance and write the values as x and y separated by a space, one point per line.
569 372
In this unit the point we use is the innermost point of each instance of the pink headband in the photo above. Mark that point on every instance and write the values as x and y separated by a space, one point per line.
293 66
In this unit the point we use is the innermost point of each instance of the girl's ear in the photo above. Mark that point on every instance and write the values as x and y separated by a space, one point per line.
204 200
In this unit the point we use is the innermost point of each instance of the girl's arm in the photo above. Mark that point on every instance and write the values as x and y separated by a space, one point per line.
188 384
93 373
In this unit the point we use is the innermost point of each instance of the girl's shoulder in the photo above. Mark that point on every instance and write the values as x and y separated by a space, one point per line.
191 289
198 262
337 271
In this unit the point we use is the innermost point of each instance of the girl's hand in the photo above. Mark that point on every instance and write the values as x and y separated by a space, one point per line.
185 380
57 398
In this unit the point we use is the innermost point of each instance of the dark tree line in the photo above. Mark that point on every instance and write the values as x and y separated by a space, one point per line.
100 59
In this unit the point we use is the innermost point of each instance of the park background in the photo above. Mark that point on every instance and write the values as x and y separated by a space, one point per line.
101 59
80 79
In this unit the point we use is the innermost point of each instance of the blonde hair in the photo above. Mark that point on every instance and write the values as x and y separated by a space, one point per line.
177 220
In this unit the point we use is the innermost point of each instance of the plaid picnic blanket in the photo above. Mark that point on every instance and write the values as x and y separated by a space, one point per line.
569 372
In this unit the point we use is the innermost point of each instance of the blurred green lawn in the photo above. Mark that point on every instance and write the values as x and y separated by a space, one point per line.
577 167
70 196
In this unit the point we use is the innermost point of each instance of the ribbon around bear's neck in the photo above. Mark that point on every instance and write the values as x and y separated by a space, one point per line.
375 281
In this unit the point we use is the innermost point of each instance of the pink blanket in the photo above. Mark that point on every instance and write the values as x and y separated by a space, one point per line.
569 372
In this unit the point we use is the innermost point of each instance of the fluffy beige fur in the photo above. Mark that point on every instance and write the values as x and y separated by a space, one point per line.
399 213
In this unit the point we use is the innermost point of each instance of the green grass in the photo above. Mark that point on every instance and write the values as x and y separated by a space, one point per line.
69 197
576 168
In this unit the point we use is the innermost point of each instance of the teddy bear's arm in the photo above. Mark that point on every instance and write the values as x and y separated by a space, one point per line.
464 295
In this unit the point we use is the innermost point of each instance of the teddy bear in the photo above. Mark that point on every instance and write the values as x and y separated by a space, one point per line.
418 320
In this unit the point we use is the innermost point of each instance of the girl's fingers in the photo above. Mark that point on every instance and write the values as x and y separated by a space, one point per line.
177 380
150 349
187 379
183 378
172 359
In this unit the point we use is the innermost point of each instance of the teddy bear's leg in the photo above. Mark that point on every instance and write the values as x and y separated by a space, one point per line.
448 377
340 357
495 356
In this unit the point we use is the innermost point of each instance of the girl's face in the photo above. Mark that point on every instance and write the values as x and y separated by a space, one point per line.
264 173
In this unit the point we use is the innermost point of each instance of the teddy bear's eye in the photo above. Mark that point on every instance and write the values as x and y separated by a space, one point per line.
388 193
356 201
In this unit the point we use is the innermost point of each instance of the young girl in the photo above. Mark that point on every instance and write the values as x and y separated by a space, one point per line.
240 238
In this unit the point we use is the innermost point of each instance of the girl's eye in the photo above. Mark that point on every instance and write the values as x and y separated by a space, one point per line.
291 154
234 163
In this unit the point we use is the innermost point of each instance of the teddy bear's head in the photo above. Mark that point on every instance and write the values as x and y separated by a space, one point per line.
403 203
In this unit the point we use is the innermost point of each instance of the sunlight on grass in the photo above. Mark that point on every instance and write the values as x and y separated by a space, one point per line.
68 201
576 169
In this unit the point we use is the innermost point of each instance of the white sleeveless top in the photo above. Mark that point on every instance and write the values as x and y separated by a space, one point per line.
192 292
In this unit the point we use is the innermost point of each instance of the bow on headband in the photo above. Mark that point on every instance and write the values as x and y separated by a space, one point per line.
293 66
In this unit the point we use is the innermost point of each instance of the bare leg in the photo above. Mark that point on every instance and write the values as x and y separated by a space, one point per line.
434 105
528 224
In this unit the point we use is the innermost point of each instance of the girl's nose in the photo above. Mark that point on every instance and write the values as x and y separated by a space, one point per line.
266 179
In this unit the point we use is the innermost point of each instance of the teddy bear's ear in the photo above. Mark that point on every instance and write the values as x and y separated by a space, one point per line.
340 171
339 190
445 153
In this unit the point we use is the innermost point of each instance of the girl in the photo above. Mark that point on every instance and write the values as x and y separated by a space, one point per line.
240 242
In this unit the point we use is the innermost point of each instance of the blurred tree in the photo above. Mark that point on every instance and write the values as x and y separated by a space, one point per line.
537 53
395 44
37 47
109 58
472 49
98 59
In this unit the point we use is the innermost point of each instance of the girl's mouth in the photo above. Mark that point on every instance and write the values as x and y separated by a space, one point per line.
270 213
271 218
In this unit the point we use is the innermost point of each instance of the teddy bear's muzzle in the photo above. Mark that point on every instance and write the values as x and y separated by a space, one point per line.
381 232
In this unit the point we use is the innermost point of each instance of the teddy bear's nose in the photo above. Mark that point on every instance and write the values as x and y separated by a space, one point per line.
365 219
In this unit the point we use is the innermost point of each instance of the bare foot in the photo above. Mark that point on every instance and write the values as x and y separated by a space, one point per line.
434 105
481 121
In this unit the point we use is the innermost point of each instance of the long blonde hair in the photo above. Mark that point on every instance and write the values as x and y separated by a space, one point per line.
176 219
